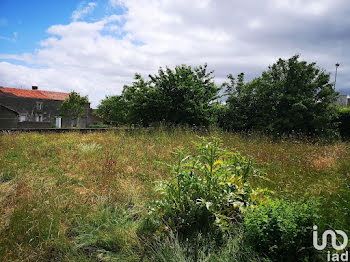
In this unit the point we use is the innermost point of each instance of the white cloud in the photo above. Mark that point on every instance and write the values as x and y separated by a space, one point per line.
309 7
98 58
255 24
10 39
82 11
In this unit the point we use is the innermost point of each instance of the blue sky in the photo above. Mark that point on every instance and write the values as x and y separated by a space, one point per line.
96 47
23 23
30 20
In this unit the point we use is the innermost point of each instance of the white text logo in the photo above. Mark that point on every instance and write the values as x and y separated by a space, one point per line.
333 239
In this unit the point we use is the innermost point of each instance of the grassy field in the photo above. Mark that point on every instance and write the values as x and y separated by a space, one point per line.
81 197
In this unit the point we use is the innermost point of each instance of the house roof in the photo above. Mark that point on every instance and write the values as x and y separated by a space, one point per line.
29 93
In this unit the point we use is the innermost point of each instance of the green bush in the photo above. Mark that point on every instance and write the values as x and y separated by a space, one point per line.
343 120
282 230
207 192
290 97
184 95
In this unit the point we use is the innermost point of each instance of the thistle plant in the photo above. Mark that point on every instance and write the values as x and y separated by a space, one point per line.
208 191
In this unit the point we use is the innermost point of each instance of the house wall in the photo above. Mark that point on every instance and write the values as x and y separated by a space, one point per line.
81 122
66 122
92 118
8 118
30 124
28 107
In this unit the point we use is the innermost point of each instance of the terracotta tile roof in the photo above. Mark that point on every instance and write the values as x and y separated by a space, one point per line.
29 93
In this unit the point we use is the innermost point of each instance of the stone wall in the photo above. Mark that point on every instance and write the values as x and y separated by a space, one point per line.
8 118
32 108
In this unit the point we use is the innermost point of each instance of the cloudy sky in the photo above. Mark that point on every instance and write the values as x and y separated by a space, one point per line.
95 47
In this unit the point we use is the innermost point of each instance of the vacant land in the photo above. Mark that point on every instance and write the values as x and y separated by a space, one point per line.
81 197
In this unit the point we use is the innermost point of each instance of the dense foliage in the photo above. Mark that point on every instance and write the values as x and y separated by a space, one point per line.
113 110
74 106
343 120
292 96
184 95
281 230
208 191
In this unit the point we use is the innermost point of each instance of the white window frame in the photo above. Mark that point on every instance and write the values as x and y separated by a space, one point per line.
39 118
39 105
22 118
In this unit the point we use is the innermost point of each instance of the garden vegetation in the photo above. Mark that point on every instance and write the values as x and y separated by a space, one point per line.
292 97
109 196
244 180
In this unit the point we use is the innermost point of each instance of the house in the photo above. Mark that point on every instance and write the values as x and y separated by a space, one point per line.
34 108
343 101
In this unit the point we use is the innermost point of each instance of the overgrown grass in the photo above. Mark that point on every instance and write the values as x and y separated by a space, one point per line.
82 197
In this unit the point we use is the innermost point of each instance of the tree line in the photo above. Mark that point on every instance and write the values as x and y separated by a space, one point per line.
291 96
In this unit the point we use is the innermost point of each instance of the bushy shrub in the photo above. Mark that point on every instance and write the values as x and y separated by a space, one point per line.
291 97
207 191
184 95
343 120
282 230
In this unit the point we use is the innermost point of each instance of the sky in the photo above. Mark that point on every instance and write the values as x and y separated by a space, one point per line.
96 47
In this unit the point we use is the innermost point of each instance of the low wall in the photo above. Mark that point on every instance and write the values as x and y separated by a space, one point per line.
30 124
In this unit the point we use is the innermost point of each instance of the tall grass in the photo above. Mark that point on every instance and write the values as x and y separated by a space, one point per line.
82 197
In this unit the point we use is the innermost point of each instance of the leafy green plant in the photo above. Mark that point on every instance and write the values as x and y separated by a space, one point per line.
291 97
113 110
208 191
343 119
74 106
184 95
282 230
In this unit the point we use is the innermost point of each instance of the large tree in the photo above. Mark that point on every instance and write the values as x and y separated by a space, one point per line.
184 95
74 106
291 96
113 110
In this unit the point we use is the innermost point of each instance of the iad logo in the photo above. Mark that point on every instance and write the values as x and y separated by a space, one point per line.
333 238
335 256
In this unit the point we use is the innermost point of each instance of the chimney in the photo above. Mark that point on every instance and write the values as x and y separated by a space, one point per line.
34 87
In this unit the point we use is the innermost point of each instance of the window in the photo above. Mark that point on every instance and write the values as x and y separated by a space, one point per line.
39 105
39 118
22 118
58 122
